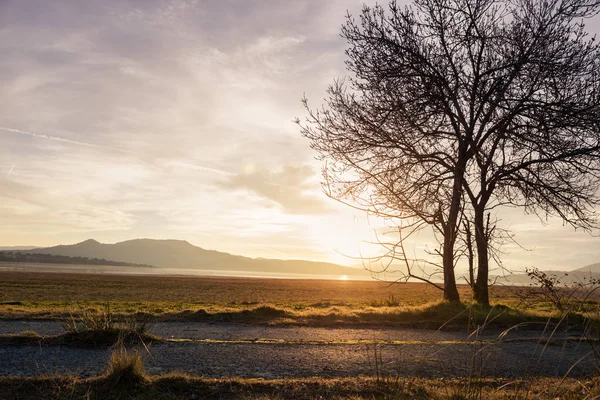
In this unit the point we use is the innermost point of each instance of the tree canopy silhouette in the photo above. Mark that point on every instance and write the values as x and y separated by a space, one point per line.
455 107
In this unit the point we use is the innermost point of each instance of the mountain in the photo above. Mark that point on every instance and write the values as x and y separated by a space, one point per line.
181 254
580 275
593 268
37 258
11 248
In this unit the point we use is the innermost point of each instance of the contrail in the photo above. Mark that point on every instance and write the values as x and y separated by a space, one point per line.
48 137
202 168
11 170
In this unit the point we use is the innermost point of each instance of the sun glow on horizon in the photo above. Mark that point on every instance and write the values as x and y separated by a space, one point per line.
344 278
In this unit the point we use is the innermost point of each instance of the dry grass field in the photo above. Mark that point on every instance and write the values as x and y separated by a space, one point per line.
313 302
51 287
39 288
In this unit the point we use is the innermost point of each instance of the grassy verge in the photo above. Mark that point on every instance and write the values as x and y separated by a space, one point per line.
432 315
131 385
90 328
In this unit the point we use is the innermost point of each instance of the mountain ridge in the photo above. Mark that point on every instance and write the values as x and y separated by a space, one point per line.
593 268
171 254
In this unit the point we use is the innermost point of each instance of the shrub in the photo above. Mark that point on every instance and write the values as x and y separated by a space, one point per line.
564 295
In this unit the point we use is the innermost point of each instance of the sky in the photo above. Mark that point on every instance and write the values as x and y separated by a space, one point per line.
173 119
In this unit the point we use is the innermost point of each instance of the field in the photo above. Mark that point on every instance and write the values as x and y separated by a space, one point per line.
272 304
48 287
274 301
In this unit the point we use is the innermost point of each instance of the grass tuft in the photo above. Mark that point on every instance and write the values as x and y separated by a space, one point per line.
125 369
94 329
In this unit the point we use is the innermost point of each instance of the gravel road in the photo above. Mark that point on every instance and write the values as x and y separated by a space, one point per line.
227 358
229 331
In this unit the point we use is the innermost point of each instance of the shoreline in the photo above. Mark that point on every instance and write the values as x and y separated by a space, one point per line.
108 270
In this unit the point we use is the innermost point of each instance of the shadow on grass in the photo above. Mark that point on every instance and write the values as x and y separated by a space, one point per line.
260 314
88 338
178 386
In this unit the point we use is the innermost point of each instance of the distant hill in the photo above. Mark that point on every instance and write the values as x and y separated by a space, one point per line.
21 257
181 254
11 248
568 277
593 268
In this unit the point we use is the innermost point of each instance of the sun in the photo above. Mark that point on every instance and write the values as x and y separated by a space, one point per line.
344 278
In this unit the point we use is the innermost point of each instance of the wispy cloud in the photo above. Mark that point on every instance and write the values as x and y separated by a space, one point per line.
183 164
47 137
292 188
141 118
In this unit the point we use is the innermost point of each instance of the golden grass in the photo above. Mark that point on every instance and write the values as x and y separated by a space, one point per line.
60 288
272 301
125 369
27 291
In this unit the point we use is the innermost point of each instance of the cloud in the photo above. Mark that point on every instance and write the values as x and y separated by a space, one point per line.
27 207
141 118
47 137
134 117
197 167
292 188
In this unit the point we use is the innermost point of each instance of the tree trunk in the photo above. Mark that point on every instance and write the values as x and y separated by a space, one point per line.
450 290
450 230
470 254
480 290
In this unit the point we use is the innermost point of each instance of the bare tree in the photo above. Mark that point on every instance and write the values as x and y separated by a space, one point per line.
536 135
492 100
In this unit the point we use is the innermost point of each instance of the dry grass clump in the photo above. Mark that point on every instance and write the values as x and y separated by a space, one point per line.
92 328
125 368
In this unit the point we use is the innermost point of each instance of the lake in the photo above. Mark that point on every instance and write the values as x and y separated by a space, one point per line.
117 270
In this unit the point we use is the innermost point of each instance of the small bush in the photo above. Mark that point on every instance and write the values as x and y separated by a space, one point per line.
566 296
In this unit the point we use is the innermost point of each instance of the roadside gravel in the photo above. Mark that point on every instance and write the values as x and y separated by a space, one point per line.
270 361
455 357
